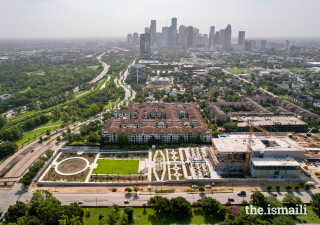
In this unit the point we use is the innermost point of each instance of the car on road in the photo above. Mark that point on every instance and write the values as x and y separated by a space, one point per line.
231 199
194 186
307 174
274 194
32 150
241 193
207 186
80 202
126 201
40 144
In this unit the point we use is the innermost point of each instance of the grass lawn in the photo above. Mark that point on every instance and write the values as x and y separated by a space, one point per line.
107 166
148 216
297 70
79 93
30 135
51 123
236 71
283 96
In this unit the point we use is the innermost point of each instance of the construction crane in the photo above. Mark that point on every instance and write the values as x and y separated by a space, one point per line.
252 126
309 133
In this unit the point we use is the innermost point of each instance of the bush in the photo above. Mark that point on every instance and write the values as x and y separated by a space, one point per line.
228 204
288 187
116 207
244 202
307 187
88 214
296 187
233 211
269 187
128 189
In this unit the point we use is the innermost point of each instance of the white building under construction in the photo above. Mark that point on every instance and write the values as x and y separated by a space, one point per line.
271 157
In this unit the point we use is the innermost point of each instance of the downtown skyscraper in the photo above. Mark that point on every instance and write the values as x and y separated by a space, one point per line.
211 36
153 32
145 46
241 38
226 41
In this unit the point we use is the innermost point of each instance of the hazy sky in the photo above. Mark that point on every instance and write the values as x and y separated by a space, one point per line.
103 18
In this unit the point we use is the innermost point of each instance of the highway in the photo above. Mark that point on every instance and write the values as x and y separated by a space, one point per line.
100 76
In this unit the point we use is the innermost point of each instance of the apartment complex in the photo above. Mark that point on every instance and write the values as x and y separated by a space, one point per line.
162 121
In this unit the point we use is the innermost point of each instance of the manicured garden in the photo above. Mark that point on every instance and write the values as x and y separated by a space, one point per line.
106 166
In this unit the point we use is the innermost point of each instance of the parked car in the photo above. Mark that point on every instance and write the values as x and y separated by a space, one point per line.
194 186
231 199
311 183
126 201
207 186
307 174
80 202
32 150
213 184
274 194
241 193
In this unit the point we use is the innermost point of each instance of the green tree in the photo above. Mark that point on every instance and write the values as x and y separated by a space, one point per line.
129 211
161 205
48 131
14 212
288 187
277 187
49 153
181 139
258 199
198 139
210 206
316 200
125 139
120 139
123 219
307 187
180 207
269 187
296 187
128 189
40 139
55 113
283 220
201 189
136 189
231 126
58 139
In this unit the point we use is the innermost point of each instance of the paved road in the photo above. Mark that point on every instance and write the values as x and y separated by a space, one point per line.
100 76
141 198
249 82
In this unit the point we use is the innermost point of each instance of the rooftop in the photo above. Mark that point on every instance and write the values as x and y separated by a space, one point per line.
270 121
238 144
271 161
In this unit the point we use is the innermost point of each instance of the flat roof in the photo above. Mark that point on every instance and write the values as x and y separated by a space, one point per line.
238 144
271 161
148 61
270 121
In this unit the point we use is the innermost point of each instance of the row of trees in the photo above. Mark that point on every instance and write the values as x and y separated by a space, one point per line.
43 208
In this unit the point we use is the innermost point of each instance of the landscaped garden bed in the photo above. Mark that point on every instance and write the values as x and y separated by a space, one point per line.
53 176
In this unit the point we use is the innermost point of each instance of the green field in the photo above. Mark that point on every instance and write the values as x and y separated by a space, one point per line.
148 216
106 166
30 135
297 70
236 71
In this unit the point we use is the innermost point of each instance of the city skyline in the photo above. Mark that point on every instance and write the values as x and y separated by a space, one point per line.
68 19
